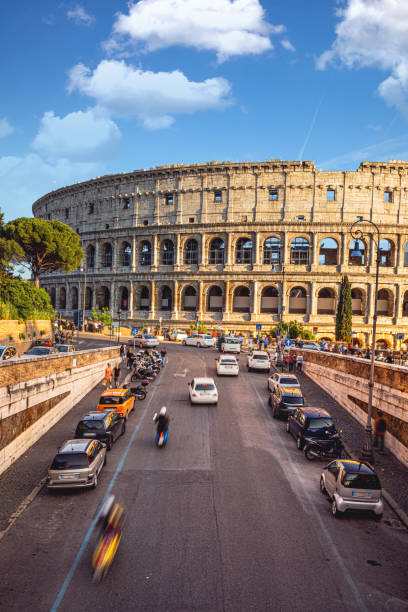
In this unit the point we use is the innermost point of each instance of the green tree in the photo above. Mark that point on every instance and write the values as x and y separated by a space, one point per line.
45 246
20 300
104 316
293 330
344 311
10 251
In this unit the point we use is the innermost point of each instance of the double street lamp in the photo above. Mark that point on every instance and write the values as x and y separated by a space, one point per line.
279 360
357 234
119 313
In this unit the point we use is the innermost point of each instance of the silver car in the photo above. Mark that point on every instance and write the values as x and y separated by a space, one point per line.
77 464
64 348
352 485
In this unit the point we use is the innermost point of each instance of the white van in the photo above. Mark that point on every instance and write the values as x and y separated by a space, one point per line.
231 345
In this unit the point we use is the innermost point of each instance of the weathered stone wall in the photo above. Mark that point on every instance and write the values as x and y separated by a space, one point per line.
346 379
36 393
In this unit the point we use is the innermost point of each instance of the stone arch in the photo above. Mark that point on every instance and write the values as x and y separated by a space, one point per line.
328 252
406 255
215 298
387 253
297 300
123 298
165 298
382 344
326 301
125 254
88 298
241 299
107 255
270 299
145 253
53 297
74 298
243 251
300 250
358 301
144 300
103 297
405 304
189 298
216 251
191 252
385 303
90 257
272 250
167 253
62 301
357 245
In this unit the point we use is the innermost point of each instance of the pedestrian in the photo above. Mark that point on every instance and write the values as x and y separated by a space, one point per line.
265 343
292 361
260 343
163 354
129 358
108 376
116 375
299 362
249 343
380 427
122 352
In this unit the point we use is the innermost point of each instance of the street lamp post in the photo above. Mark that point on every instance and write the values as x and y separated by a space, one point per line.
119 313
279 360
367 450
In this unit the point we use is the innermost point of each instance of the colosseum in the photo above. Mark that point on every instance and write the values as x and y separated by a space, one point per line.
237 244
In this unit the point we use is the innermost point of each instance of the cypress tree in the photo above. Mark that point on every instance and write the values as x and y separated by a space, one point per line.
344 311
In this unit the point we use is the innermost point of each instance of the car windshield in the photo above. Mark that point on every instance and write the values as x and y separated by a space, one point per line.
62 348
70 461
204 387
321 423
148 337
292 399
264 357
206 337
91 426
111 399
231 341
228 362
361 481
288 381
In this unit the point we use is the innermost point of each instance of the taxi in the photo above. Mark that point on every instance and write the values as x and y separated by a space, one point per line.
117 400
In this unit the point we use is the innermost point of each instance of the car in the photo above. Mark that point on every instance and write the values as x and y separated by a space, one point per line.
227 365
145 341
77 464
200 340
203 391
352 485
285 400
259 360
313 346
282 380
104 426
7 352
121 401
64 348
230 345
177 334
309 422
40 351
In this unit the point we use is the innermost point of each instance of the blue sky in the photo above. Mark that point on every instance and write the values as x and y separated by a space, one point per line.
97 87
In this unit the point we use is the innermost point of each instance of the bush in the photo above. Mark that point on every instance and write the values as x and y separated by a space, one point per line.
19 299
21 335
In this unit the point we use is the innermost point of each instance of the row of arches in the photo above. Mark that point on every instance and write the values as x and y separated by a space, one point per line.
215 299
272 250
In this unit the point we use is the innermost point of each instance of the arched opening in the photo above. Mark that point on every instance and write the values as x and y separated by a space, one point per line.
53 298
386 253
74 298
191 252
62 298
126 254
326 301
328 253
357 302
299 251
243 251
406 254
166 298
385 306
167 253
189 301
124 298
297 300
357 253
216 252
214 299
88 298
107 256
272 251
90 257
270 300
405 304
103 298
241 299
382 345
146 254
144 298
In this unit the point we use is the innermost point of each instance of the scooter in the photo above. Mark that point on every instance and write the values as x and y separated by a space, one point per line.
330 448
161 438
140 392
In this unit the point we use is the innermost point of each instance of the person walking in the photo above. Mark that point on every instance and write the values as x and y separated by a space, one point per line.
108 376
299 362
380 427
163 353
292 361
116 375
265 343
122 352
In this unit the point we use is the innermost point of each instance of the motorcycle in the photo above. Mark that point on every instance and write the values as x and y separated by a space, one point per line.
161 438
139 392
328 448
105 552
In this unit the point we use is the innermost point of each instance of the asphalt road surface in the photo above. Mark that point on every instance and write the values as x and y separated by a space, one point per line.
228 516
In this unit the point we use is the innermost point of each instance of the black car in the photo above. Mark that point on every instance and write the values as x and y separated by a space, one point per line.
103 426
285 400
310 422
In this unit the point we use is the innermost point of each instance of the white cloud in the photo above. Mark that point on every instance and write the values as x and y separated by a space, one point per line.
79 136
5 128
79 15
286 44
393 148
228 27
374 34
153 97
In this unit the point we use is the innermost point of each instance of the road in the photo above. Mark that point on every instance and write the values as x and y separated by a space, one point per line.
228 516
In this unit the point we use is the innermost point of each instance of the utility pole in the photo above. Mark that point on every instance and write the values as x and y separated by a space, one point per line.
84 297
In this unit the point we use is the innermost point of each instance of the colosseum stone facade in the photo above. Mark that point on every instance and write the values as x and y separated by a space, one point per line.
239 243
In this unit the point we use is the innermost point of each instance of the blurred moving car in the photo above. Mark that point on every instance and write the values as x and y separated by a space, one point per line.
227 365
311 346
7 352
177 334
40 351
77 464
200 340
230 345
64 348
259 360
308 422
103 426
203 391
282 380
285 400
145 341
121 401
352 485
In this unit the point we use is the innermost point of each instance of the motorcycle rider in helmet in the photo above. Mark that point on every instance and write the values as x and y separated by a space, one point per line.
162 419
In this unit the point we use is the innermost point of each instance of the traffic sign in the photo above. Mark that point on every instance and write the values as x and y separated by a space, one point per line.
315 329
134 331
220 322
258 327
400 336
288 342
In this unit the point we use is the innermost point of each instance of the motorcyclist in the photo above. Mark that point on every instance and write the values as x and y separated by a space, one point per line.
111 517
162 419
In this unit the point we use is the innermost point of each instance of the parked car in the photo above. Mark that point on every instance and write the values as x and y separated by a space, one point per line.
285 400
64 348
352 485
77 464
203 391
40 351
177 334
230 345
311 346
104 426
121 401
259 360
145 341
282 380
7 352
200 340
308 422
227 365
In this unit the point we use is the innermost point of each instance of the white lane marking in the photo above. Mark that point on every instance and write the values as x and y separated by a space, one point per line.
182 374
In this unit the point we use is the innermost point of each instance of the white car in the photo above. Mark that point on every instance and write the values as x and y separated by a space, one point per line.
203 391
231 345
259 360
282 380
228 365
199 340
176 334
311 346
65 348
146 341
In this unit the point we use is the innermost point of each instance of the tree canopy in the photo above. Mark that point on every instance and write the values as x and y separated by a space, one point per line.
44 246
293 330
10 251
19 299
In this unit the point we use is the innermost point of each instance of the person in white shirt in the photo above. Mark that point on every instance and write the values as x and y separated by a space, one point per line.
299 362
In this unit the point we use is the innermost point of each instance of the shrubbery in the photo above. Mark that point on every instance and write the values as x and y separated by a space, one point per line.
19 299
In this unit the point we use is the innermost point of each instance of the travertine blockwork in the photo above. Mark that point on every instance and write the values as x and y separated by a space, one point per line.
237 242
